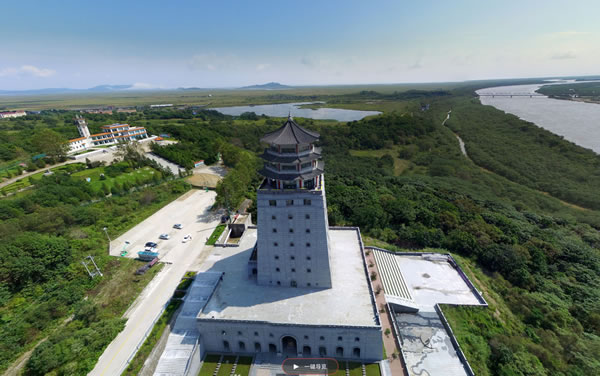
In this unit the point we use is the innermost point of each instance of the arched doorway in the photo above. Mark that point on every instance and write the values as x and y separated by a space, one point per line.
306 351
289 345
257 347
339 352
226 346
356 352
272 348
242 346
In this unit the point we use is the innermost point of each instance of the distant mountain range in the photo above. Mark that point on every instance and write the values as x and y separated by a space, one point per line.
113 88
267 86
95 89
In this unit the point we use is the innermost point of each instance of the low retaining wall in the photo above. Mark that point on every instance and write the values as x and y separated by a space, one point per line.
457 348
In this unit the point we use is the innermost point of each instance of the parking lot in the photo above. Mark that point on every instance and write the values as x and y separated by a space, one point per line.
192 210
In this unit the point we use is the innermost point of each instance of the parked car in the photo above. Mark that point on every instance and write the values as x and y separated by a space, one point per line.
164 236
187 238
178 226
150 246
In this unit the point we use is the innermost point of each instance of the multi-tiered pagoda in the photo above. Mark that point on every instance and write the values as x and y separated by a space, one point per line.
293 240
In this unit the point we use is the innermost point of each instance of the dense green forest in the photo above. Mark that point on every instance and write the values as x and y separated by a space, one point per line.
589 90
44 290
540 256
508 211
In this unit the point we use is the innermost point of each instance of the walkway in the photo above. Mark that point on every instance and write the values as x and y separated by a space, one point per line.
389 342
192 210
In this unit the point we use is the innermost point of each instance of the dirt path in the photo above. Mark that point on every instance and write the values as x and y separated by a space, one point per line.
389 342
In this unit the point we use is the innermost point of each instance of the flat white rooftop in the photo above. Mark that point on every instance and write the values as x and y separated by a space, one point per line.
433 280
347 303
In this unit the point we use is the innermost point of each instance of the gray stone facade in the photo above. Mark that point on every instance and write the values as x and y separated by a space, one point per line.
293 239
361 343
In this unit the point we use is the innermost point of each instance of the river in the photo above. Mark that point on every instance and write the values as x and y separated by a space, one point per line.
577 122
284 109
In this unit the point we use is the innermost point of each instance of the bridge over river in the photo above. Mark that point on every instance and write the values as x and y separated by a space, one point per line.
503 94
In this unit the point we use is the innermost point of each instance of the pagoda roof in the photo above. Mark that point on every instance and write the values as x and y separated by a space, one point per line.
267 156
290 133
289 176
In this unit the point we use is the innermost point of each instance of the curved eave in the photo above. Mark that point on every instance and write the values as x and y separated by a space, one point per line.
292 159
290 177
290 134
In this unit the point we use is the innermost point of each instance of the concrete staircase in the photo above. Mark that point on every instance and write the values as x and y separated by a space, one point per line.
395 288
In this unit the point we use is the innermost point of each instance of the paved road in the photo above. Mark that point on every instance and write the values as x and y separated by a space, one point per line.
191 210
107 157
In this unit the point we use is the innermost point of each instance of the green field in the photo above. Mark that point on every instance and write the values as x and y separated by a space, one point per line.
28 181
243 366
226 365
400 165
209 365
143 175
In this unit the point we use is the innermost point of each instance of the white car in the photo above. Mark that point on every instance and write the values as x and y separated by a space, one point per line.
187 238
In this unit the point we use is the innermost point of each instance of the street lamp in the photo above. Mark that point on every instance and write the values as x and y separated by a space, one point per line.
106 232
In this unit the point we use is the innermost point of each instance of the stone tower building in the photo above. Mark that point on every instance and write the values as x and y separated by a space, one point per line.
293 237
82 126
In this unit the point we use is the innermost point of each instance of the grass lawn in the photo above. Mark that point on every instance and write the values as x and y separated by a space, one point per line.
209 365
143 175
226 365
27 181
243 366
140 357
400 165
355 368
373 369
215 235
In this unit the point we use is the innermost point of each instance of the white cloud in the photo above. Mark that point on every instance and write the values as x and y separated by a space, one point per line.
27 70
261 67
144 86
211 61
563 55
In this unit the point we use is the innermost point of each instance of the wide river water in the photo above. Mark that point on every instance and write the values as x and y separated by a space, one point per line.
283 109
577 122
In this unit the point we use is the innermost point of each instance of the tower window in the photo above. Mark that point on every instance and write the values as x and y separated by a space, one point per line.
291 230
278 284
272 203
291 244
293 270
307 201
289 202
290 216
307 230
340 338
275 244
308 258
308 284
292 257
273 217
277 270
308 245
307 216
274 229
308 270
276 257
322 338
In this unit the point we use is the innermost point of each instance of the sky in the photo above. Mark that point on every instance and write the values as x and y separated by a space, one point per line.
226 43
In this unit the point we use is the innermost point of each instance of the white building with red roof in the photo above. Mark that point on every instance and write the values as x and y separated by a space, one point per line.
111 134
